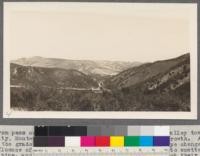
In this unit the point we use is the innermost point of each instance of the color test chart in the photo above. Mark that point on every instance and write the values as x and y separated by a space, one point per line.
151 140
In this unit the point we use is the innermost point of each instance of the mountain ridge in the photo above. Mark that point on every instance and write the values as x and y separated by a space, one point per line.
101 67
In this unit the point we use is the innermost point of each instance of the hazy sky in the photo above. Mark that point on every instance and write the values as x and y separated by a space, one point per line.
100 31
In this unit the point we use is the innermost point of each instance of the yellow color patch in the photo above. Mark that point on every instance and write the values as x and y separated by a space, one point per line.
116 141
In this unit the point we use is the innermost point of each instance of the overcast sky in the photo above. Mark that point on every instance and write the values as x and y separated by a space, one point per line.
100 31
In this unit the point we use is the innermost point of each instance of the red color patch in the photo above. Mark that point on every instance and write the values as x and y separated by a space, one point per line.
102 141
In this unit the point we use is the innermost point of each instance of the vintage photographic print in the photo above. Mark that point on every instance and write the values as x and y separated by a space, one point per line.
100 60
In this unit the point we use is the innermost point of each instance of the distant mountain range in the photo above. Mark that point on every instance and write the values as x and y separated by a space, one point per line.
157 86
84 66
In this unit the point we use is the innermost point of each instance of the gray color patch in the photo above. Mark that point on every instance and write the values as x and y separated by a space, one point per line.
93 130
120 130
146 130
107 130
133 130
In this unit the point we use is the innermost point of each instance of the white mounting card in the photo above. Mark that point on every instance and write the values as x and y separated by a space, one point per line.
100 60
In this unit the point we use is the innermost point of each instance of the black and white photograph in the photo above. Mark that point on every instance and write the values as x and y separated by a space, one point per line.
110 60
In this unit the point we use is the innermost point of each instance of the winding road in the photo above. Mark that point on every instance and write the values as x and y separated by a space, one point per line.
99 88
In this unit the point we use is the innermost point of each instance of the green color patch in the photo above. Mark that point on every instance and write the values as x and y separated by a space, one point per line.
131 141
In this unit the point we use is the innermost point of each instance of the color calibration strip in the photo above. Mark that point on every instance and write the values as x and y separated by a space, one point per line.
102 141
105 136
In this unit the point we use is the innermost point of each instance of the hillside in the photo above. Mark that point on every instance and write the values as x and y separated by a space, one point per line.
49 77
162 85
135 75
85 66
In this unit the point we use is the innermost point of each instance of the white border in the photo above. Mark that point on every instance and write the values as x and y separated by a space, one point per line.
8 113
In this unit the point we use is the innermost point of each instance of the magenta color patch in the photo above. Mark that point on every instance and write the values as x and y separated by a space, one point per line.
87 141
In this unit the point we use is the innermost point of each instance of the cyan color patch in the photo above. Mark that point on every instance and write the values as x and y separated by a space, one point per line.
146 140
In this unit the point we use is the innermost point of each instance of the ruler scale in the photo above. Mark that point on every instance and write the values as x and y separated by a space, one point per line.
102 151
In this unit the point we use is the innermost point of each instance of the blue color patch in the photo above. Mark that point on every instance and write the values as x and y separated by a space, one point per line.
146 140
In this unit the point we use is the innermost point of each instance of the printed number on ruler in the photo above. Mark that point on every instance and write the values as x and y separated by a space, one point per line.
150 151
